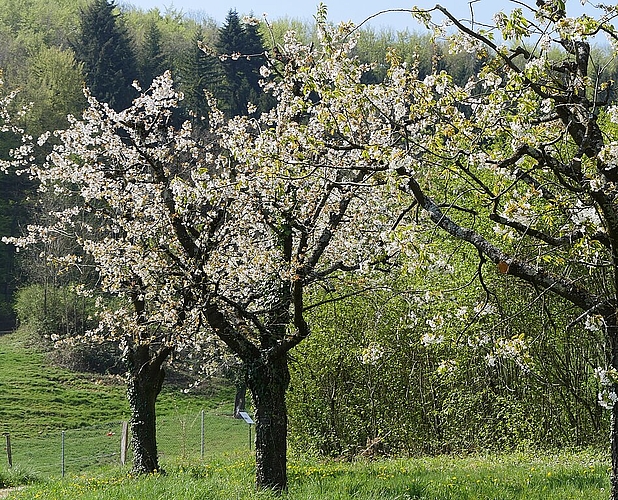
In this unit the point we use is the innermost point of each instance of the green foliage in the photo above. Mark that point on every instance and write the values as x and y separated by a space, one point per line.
35 23
14 191
55 86
418 51
412 371
13 477
152 61
168 35
34 36
199 71
52 314
50 311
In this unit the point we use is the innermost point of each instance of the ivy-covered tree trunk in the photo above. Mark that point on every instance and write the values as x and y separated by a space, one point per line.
146 377
268 382
612 333
614 451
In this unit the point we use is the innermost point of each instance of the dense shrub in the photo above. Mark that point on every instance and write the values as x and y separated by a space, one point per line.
378 375
53 311
56 313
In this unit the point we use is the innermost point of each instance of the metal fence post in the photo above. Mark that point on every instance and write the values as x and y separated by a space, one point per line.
202 438
62 459
9 454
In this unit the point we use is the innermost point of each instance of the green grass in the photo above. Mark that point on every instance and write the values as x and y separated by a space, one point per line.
581 475
37 397
10 478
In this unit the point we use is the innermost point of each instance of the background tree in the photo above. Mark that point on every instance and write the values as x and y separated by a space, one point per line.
106 51
241 49
14 190
13 215
199 73
254 50
152 61
55 87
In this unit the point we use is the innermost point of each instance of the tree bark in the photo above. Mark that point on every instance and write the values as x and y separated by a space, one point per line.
614 448
612 333
268 380
146 377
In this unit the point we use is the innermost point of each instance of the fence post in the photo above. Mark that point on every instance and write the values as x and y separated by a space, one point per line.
62 457
124 442
9 454
202 438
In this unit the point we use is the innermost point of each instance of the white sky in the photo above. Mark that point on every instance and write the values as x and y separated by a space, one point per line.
340 10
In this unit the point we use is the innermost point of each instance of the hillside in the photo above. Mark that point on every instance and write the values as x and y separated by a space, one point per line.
41 403
37 397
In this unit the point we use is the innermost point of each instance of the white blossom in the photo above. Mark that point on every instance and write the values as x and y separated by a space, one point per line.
594 322
372 354
430 338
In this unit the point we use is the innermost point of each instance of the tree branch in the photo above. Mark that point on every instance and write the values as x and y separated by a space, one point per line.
561 286
569 239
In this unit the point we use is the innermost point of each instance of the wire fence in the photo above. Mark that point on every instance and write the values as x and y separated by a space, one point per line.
182 437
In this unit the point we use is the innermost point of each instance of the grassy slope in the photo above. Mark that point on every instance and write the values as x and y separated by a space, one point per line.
37 397
39 400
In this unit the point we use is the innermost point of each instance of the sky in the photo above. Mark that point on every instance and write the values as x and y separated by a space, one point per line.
338 10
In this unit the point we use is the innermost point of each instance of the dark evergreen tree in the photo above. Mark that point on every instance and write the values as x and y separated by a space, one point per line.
152 59
242 51
106 50
255 50
199 71
253 54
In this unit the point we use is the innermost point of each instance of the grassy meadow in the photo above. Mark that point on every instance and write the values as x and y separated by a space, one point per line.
581 475
38 400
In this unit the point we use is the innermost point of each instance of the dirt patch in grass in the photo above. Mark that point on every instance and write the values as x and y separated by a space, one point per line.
7 491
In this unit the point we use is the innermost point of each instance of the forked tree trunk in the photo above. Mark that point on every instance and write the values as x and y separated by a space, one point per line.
268 382
146 377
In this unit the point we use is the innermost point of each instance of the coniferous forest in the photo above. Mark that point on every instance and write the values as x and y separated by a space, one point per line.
492 328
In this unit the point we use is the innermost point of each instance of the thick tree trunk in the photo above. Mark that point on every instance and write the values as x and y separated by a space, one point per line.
146 377
614 451
612 333
268 382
